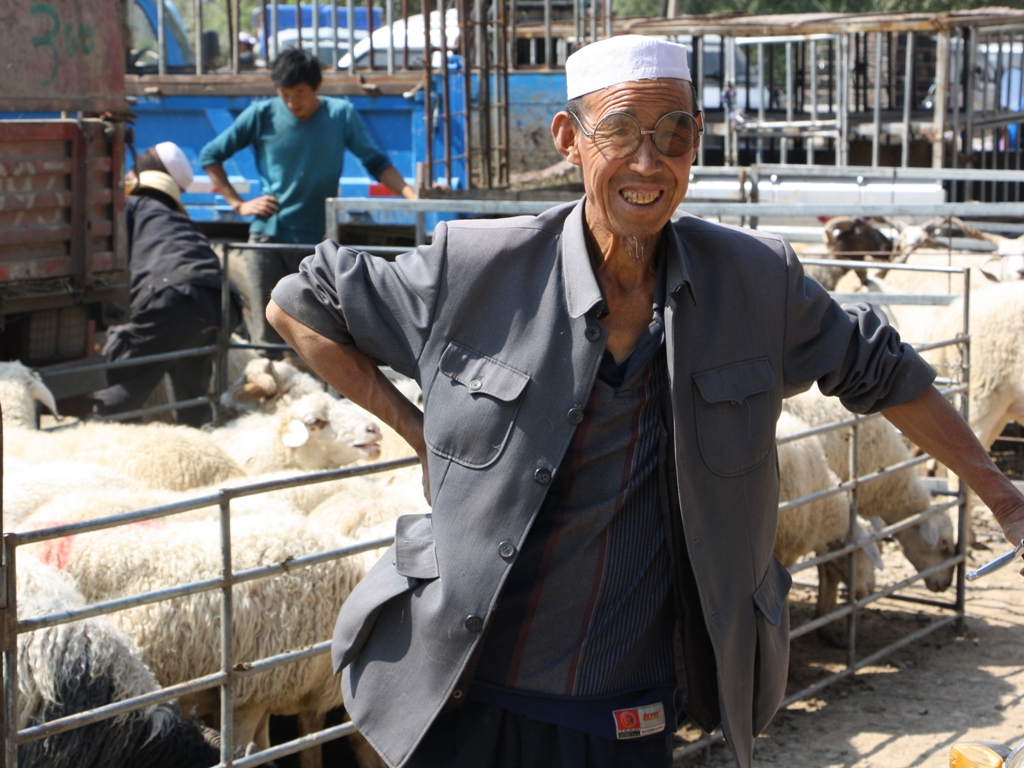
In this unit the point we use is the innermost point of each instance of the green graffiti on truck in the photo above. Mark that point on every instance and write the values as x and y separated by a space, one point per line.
75 38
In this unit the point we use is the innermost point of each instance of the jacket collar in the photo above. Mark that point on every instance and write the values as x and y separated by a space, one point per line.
581 289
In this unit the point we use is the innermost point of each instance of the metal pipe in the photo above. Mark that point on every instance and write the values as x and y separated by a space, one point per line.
814 97
941 88
548 63
784 144
316 30
351 13
227 693
10 628
234 27
389 13
197 33
276 15
908 88
877 102
161 38
335 58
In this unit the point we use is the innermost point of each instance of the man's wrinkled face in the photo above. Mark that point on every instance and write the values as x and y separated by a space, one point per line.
634 196
301 100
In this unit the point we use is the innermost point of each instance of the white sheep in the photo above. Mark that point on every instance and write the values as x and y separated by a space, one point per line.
70 668
819 525
160 455
316 431
264 384
29 486
893 497
996 326
180 638
20 389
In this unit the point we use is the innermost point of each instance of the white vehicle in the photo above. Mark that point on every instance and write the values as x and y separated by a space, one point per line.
711 98
401 33
288 39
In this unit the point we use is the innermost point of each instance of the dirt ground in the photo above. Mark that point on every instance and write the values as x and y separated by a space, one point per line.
957 683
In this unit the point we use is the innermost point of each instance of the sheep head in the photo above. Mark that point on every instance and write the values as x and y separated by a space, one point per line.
20 389
927 544
324 432
854 237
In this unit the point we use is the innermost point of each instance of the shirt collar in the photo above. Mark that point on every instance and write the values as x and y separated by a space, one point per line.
581 288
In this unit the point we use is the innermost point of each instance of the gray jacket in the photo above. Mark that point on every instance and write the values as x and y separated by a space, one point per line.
496 321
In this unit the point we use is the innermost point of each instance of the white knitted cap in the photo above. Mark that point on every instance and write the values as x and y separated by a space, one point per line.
623 59
175 162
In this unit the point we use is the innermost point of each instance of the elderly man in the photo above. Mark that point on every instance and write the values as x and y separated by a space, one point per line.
601 390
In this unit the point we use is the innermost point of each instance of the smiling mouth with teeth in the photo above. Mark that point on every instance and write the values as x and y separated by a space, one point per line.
638 198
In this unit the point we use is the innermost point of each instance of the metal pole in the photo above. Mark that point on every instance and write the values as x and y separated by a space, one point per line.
698 48
760 100
814 99
235 28
844 100
907 94
197 13
351 10
161 39
963 519
335 58
428 101
389 13
276 16
972 55
10 628
316 30
227 725
851 559
877 107
941 86
784 144
547 36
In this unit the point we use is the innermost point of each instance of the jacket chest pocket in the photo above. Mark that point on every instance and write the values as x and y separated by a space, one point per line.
471 406
734 415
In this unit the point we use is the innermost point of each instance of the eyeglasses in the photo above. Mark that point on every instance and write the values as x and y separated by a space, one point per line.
618 135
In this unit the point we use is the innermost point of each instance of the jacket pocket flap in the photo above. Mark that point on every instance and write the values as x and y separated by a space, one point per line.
770 597
482 374
414 547
359 611
736 382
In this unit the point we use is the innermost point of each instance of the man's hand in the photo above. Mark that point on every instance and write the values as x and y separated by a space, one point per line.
265 205
934 425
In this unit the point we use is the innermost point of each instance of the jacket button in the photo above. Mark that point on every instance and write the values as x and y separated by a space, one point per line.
542 476
475 385
507 550
474 623
593 333
575 415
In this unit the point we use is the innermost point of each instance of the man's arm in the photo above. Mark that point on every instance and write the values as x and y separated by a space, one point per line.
934 425
265 205
392 179
357 377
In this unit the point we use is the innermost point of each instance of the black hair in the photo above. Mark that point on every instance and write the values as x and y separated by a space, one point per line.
296 66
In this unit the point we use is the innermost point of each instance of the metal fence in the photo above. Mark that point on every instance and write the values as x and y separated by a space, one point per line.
229 672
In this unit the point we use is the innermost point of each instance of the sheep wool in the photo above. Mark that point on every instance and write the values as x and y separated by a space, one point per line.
73 667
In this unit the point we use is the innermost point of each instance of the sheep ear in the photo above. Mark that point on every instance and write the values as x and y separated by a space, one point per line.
42 393
296 435
871 549
930 532
251 749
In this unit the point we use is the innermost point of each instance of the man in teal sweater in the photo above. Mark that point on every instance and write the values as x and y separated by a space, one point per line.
300 140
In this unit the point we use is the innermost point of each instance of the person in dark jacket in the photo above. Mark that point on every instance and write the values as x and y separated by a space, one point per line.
175 292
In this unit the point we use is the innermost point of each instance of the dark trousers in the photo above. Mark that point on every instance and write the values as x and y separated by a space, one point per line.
168 322
264 269
475 735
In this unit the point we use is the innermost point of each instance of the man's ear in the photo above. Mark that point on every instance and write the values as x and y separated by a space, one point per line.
563 131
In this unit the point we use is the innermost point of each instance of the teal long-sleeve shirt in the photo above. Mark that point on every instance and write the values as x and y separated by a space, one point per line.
299 161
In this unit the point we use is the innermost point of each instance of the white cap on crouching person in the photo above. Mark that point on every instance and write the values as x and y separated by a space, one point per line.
175 162
623 59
